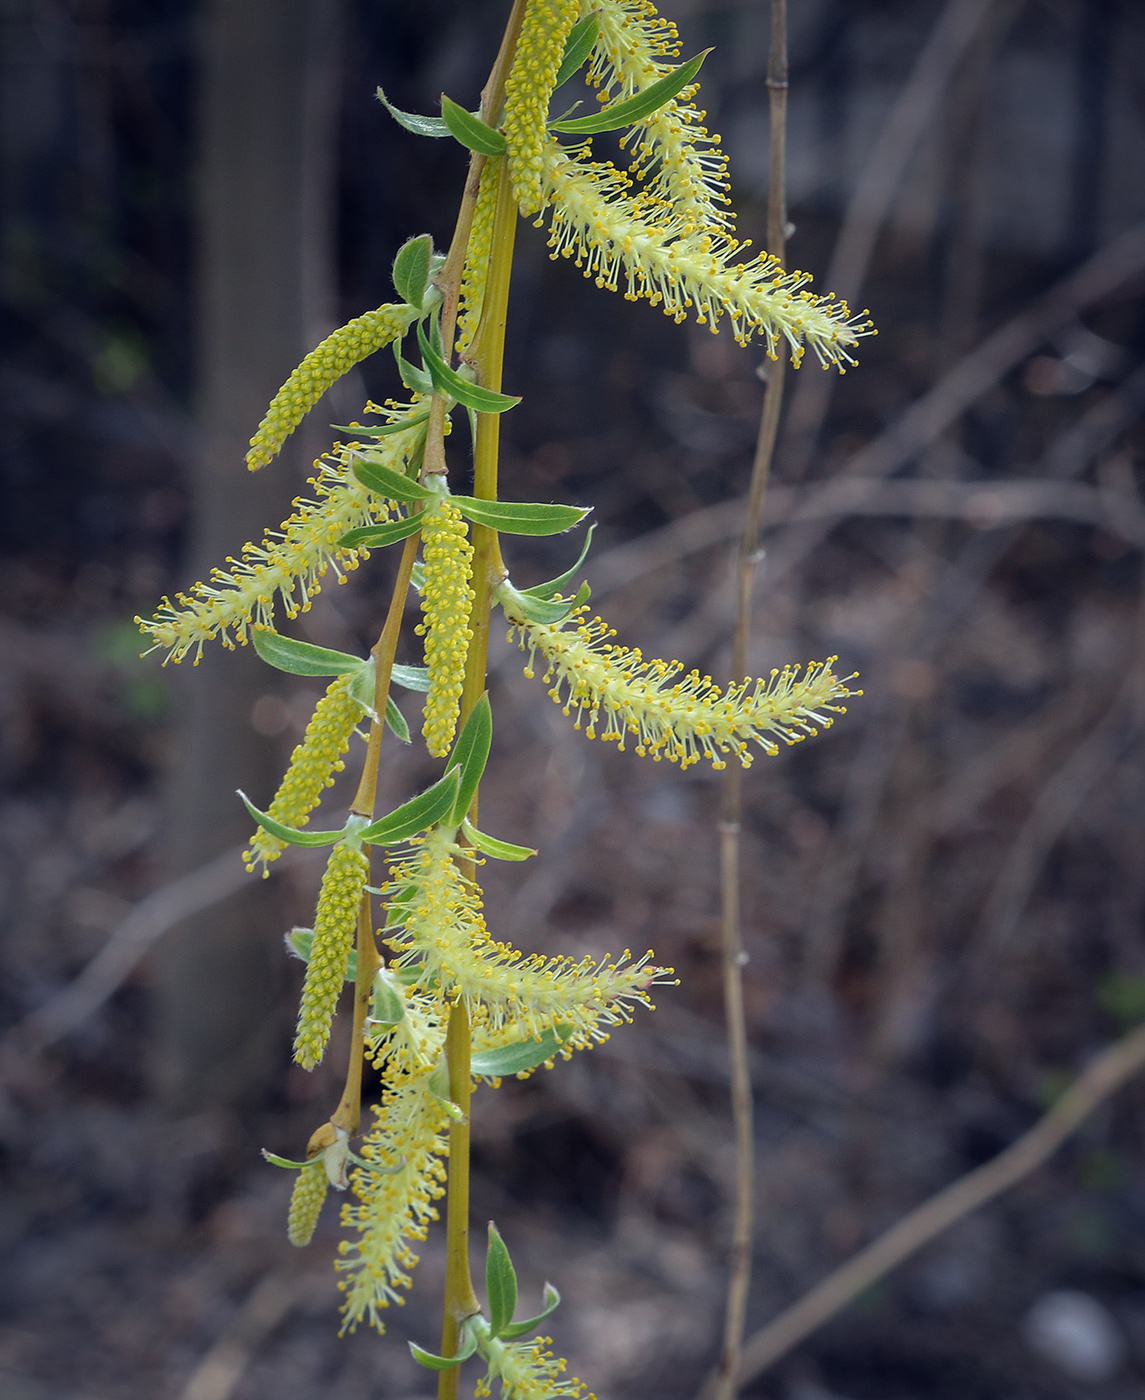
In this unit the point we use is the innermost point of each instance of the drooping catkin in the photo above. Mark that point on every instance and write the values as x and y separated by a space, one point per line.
335 926
324 366
446 600
313 765
527 92
477 258
306 1201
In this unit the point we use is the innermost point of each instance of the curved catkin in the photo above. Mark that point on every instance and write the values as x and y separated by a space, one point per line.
446 600
324 366
527 92
477 258
335 926
306 1202
313 765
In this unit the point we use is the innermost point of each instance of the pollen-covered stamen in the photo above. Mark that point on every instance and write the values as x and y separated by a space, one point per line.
324 366
446 600
528 1371
613 692
335 927
313 766
527 91
306 1200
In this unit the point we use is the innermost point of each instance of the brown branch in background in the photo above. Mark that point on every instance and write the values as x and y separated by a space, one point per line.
1105 1075
722 1385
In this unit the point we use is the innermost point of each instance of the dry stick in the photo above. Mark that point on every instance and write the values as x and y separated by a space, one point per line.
1107 1073
916 107
722 1385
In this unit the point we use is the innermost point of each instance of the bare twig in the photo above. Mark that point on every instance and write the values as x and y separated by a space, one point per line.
1104 1076
221 1370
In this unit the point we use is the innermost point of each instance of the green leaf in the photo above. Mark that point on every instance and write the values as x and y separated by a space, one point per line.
388 1004
636 108
383 429
578 46
394 485
490 846
416 380
518 1329
470 754
412 121
378 536
363 688
448 381
420 812
396 720
417 580
443 1363
521 517
557 585
411 270
276 1161
471 131
300 658
411 677
500 1283
545 611
288 833
519 1057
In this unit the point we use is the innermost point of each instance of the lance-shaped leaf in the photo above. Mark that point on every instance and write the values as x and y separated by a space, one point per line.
448 381
301 658
500 1283
578 46
411 270
471 131
388 482
519 1057
417 381
382 429
636 108
561 582
545 611
419 813
411 677
521 517
468 1345
387 1003
288 833
490 846
413 121
378 536
364 688
518 1329
276 1161
470 754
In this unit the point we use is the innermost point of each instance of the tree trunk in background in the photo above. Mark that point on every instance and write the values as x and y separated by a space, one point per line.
266 121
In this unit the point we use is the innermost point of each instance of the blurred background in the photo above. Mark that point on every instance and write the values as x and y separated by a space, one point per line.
944 894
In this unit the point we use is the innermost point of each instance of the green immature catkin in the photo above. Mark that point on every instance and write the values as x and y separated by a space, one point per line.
335 924
527 91
312 767
325 365
306 1202
446 600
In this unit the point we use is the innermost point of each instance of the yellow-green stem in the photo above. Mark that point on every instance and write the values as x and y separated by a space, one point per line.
349 1111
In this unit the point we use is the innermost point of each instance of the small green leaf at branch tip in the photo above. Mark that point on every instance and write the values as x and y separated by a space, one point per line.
443 1363
544 611
521 517
500 1283
470 755
518 1329
448 381
288 833
382 430
471 131
557 585
520 1056
413 121
276 1161
490 846
418 814
411 270
379 536
301 658
388 482
636 108
578 46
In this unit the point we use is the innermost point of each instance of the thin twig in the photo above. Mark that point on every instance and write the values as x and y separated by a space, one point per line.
723 1383
1105 1075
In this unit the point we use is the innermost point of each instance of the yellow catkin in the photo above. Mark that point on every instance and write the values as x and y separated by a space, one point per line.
528 1371
324 366
408 1133
679 717
477 258
335 926
446 600
313 765
527 92
306 1201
